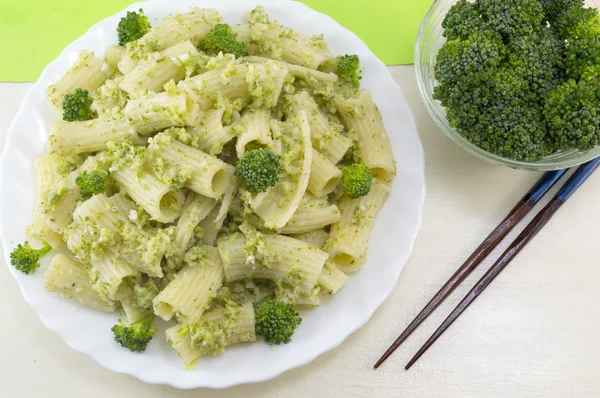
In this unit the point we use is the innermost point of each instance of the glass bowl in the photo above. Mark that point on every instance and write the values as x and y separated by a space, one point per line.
429 41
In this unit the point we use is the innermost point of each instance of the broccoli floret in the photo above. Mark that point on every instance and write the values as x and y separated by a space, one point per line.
92 183
512 18
474 58
539 59
76 106
27 259
357 180
553 9
136 336
348 69
499 115
223 39
580 28
259 169
132 27
276 321
462 20
591 73
572 112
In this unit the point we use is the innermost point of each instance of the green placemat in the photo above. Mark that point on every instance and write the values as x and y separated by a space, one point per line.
33 32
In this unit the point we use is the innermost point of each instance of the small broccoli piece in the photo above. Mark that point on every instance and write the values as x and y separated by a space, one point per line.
276 321
92 183
357 180
223 39
76 106
144 293
136 336
132 27
259 169
539 59
553 9
512 18
477 58
572 113
580 28
27 259
462 20
348 69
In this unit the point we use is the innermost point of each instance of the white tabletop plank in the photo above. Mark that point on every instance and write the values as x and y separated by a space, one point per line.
535 332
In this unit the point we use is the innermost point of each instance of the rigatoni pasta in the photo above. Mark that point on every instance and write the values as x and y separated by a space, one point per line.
348 239
362 116
200 182
289 260
209 176
190 292
46 178
88 72
90 136
71 279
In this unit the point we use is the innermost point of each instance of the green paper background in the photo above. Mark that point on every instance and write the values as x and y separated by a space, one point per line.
34 32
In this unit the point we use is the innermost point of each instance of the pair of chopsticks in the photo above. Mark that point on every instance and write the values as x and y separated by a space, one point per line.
522 208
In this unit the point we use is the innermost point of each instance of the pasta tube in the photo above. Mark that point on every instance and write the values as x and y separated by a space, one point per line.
313 213
210 176
280 258
362 116
162 201
91 135
255 131
189 294
324 176
231 324
71 279
348 239
327 141
154 112
87 73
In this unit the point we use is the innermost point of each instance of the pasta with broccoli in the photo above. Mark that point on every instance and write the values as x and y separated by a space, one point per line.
216 177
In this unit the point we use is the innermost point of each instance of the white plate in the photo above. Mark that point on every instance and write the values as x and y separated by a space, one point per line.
322 329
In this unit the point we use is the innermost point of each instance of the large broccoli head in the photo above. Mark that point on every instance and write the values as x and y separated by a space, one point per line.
92 183
136 336
512 18
474 58
572 112
462 20
498 115
76 106
259 169
357 180
276 321
132 27
27 259
223 39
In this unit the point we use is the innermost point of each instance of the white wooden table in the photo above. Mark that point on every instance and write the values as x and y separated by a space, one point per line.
535 332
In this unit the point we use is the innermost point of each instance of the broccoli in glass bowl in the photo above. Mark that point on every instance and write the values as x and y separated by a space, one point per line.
514 82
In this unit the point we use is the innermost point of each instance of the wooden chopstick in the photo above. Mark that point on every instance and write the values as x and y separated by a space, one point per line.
578 178
485 248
